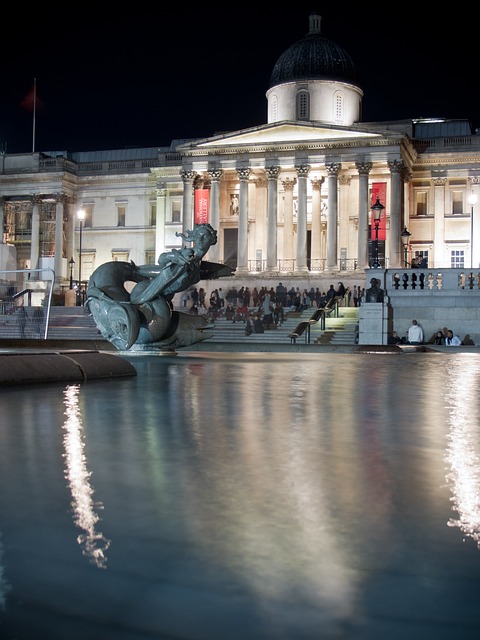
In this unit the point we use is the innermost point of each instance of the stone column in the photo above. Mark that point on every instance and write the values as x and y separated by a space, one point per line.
272 195
242 247
214 217
302 173
188 178
363 169
332 214
2 220
395 260
316 249
259 197
288 254
35 242
59 239
475 248
161 198
439 259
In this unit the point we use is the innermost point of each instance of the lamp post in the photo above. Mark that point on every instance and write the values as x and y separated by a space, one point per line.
472 201
405 237
81 217
71 264
377 209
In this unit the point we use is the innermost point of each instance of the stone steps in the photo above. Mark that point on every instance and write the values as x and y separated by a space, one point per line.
75 323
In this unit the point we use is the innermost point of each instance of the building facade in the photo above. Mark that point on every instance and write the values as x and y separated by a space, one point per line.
289 198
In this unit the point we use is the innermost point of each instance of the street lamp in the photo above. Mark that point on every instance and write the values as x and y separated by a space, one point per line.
405 237
377 209
472 201
81 217
71 264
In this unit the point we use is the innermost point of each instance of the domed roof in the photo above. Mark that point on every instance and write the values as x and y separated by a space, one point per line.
314 58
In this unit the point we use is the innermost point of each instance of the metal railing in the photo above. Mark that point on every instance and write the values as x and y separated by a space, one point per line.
17 296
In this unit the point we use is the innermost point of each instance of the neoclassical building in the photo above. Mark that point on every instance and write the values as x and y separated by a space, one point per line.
290 198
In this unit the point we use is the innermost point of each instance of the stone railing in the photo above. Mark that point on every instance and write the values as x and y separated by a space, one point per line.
436 298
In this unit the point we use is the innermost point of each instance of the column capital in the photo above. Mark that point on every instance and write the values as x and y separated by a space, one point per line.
333 169
272 172
243 173
439 182
215 174
317 183
396 166
302 170
474 181
188 176
160 192
364 168
289 184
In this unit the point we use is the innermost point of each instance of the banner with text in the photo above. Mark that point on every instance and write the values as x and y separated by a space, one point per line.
202 201
379 190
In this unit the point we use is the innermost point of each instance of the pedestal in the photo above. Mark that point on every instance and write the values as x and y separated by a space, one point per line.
373 323
70 298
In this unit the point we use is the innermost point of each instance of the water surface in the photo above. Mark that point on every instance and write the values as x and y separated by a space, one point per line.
245 496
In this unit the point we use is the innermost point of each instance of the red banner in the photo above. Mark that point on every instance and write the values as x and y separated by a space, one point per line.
379 190
202 201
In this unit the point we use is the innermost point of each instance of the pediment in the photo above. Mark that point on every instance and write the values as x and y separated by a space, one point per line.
289 133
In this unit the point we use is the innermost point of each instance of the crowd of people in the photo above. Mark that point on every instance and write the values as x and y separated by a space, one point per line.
263 308
415 335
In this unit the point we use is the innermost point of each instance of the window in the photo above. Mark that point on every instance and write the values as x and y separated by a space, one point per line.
421 204
457 259
339 107
274 103
420 256
457 202
303 105
149 257
121 212
120 255
88 264
88 208
176 211
152 218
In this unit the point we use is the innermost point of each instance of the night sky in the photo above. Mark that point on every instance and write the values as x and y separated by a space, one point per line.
143 80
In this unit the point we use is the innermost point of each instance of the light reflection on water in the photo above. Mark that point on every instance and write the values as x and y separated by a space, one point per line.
296 478
94 544
463 448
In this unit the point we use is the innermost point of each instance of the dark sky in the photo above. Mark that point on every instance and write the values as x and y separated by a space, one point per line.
144 79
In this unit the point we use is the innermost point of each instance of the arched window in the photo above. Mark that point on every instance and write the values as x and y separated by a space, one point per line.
339 106
303 105
274 103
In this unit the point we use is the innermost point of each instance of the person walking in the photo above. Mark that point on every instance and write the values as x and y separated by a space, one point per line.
415 333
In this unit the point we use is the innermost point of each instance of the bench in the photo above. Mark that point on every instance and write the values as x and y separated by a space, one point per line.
302 328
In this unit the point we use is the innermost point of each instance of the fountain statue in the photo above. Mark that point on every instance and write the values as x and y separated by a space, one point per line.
132 305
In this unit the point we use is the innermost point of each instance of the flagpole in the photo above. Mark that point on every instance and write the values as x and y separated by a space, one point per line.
34 111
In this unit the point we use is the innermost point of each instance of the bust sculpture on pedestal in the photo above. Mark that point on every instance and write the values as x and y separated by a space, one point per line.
374 293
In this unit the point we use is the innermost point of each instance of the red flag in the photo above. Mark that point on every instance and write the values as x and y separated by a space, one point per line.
31 101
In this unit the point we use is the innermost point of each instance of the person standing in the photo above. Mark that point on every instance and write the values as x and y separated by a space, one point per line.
415 333
355 295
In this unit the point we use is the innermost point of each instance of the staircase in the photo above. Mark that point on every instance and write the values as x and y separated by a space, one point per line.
338 331
72 323
75 323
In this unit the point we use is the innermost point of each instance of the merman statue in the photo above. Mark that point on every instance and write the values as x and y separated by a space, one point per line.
132 305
